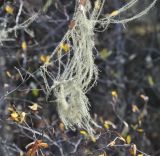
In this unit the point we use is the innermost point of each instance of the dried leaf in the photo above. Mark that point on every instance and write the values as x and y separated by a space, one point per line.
31 152
33 147
43 145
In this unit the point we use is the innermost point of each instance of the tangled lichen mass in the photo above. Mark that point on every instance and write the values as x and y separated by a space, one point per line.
75 77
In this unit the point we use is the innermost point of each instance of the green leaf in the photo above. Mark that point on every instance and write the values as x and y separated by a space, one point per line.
35 92
150 80
104 53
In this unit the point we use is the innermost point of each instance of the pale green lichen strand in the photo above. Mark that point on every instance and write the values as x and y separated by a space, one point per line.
79 73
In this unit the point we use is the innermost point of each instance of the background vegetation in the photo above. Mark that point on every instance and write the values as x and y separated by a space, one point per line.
125 101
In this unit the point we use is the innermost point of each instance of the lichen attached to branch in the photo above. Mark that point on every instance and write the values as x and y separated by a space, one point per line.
78 73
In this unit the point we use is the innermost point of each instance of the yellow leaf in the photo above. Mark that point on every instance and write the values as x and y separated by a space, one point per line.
84 133
134 108
103 154
61 126
22 117
45 59
114 94
88 136
24 45
104 53
14 115
144 97
93 139
10 109
35 92
114 13
65 47
134 127
18 116
34 107
97 4
151 81
140 155
140 130
128 139
8 74
101 119
9 9
121 138
112 143
106 125
133 150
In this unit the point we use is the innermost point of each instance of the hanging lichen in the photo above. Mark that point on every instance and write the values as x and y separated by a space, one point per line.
78 73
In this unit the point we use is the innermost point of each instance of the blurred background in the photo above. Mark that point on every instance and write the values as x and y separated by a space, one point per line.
125 100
